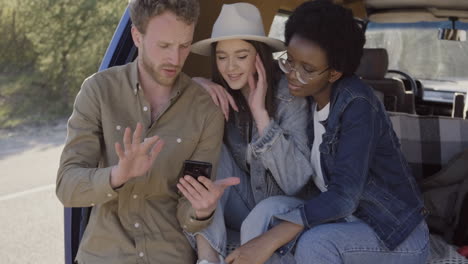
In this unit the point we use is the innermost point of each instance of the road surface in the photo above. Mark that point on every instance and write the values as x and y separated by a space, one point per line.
31 217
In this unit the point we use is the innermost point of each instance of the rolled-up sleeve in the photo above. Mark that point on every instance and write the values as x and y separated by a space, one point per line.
283 147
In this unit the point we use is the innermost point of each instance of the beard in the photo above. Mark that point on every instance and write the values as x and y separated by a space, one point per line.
155 72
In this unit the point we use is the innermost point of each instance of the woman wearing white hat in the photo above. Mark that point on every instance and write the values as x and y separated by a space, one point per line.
265 142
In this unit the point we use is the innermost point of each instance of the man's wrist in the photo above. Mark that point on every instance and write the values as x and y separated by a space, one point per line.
116 180
203 215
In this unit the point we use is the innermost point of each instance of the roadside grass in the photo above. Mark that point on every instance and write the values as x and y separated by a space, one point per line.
24 101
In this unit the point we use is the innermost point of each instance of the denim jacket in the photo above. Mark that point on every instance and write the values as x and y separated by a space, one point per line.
363 167
277 161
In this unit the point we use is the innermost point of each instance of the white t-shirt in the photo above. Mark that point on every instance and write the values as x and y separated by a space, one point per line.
320 115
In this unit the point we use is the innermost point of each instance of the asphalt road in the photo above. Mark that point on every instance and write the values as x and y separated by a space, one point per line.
31 217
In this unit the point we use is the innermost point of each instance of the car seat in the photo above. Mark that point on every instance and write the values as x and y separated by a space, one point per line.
372 70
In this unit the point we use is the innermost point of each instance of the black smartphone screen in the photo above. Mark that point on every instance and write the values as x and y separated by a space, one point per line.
197 168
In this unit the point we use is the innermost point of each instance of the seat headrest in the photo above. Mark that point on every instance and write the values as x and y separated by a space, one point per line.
374 64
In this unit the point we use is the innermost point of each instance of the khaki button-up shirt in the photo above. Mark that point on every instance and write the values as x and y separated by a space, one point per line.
141 222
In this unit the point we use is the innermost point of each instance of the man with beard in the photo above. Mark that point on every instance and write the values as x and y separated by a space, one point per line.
131 180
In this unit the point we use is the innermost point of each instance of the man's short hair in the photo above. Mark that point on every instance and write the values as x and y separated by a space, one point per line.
333 28
141 11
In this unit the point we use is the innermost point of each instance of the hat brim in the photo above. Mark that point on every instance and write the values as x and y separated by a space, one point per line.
203 47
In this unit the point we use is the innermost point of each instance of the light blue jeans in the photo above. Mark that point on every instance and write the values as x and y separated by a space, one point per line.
223 233
350 242
238 219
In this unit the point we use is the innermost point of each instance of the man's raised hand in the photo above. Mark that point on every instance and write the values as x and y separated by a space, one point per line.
135 157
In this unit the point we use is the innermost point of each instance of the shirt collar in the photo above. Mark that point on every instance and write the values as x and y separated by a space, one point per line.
180 85
135 84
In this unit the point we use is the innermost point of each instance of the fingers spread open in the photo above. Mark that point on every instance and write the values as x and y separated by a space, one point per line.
148 143
156 149
127 139
137 134
119 150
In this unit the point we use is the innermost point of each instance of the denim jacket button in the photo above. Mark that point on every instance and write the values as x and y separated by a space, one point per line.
424 211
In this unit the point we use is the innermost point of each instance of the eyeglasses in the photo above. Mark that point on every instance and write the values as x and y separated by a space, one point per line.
301 74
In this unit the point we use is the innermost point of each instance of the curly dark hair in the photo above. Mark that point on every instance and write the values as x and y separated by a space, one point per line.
141 11
333 28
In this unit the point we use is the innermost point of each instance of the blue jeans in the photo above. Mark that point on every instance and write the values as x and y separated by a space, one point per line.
237 220
234 206
350 242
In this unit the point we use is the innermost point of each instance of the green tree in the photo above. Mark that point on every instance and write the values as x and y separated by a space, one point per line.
52 46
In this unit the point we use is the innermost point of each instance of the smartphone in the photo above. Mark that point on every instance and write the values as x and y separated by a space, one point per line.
197 168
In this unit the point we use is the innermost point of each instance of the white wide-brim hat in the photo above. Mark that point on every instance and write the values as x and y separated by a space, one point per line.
237 21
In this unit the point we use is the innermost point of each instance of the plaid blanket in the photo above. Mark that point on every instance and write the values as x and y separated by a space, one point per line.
429 142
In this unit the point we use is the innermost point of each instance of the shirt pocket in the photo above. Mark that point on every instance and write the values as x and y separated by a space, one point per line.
113 132
116 129
176 149
328 149
329 142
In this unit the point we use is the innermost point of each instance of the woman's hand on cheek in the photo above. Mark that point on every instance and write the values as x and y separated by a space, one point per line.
257 95
258 88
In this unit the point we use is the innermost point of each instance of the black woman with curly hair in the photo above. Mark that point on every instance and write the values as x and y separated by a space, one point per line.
368 208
